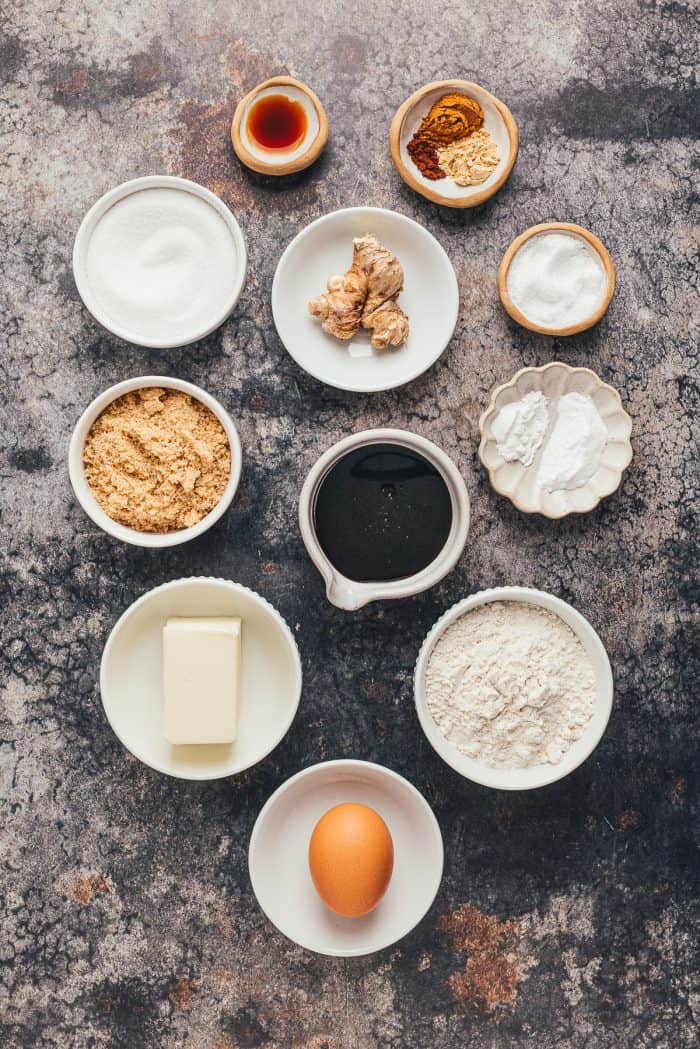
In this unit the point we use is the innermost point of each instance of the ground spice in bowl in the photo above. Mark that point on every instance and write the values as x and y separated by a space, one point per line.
157 460
451 141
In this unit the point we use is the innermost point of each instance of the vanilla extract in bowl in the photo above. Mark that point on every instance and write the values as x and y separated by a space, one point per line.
382 512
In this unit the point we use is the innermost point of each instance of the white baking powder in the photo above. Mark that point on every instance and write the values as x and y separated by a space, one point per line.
511 685
574 448
556 280
161 263
520 426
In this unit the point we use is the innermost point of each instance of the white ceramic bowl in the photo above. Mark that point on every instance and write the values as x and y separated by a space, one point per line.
537 775
518 482
350 594
279 866
82 489
430 298
220 310
131 683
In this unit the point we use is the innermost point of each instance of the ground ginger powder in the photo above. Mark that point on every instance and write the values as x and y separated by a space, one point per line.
470 161
157 460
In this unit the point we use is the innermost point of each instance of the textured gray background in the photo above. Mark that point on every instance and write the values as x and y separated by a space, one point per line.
127 916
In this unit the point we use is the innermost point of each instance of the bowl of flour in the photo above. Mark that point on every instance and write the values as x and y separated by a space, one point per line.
513 688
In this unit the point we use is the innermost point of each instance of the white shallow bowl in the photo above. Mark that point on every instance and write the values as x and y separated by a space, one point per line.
83 492
131 678
430 298
518 482
537 775
279 866
219 310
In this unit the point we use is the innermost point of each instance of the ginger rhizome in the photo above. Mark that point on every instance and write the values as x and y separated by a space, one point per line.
365 296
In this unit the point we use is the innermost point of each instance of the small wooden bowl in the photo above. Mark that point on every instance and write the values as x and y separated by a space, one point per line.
498 120
561 227
284 162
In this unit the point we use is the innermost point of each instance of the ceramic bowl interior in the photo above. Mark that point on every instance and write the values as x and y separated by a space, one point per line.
278 856
537 775
430 298
131 678
498 121
350 594
518 482
220 310
82 489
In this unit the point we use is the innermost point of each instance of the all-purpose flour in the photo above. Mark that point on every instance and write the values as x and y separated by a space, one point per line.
510 685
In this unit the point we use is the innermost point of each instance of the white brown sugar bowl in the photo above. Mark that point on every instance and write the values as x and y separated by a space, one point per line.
556 278
87 497
470 183
525 478
279 127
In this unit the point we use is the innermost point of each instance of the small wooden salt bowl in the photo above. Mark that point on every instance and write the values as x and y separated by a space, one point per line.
558 227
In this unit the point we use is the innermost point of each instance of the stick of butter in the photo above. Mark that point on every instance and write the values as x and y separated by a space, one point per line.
201 672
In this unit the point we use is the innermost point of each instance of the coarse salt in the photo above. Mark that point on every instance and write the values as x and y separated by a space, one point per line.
556 280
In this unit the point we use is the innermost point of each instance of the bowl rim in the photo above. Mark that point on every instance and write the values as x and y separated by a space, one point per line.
81 488
474 199
562 227
359 766
487 415
484 774
219 583
315 147
362 593
125 189
307 231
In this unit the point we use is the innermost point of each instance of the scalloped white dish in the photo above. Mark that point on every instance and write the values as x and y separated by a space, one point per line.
131 669
519 483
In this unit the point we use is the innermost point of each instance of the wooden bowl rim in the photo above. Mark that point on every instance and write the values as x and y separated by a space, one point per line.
315 148
474 199
487 415
566 227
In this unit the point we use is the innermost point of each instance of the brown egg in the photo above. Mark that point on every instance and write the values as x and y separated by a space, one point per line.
351 857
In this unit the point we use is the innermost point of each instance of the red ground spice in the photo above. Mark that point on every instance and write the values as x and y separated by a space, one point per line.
425 157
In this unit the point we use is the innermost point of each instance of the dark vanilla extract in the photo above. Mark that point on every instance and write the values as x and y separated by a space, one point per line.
382 512
277 122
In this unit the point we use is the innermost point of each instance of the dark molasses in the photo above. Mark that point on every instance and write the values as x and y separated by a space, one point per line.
277 122
382 512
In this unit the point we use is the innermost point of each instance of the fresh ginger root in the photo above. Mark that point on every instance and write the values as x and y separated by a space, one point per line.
384 271
389 325
365 295
340 308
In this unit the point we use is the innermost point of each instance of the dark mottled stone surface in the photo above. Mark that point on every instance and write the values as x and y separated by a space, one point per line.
567 916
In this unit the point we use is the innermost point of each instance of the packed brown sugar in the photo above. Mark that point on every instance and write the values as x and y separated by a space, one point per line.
157 460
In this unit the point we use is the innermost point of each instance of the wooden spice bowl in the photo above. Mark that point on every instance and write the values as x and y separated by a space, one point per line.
559 227
498 121
282 162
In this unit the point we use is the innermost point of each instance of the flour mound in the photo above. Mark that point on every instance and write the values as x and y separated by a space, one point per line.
510 685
